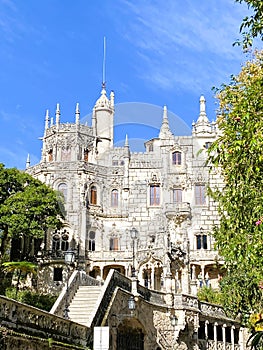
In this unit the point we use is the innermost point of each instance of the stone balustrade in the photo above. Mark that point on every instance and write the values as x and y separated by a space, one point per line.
28 321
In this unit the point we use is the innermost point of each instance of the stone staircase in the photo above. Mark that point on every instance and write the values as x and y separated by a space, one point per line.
83 304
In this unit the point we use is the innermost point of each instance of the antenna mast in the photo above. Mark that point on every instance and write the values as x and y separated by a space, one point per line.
104 63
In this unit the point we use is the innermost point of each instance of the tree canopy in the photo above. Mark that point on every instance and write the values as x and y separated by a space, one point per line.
27 207
237 153
252 26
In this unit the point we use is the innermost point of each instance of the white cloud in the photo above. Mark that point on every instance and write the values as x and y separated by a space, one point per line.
184 44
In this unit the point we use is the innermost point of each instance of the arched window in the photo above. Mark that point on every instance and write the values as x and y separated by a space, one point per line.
155 194
114 243
114 198
177 158
91 241
93 195
60 240
63 188
86 155
50 155
66 154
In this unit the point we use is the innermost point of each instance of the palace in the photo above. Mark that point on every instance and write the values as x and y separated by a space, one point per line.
140 213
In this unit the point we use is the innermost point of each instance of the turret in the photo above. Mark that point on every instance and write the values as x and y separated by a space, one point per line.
102 122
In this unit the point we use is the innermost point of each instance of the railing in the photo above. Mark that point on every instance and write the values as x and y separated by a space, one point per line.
204 344
78 278
30 320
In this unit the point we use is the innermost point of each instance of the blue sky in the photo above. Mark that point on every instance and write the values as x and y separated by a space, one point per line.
158 52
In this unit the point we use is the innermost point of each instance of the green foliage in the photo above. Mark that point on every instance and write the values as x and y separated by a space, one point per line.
237 153
41 301
252 27
27 206
210 295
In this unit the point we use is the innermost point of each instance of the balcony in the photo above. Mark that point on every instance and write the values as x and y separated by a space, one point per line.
181 211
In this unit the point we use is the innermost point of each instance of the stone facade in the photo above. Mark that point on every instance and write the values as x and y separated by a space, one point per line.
144 213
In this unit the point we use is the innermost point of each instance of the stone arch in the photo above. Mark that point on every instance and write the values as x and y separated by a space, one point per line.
117 267
151 272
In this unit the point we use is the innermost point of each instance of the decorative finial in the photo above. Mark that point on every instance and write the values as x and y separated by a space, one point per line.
126 141
28 161
57 114
77 113
165 131
202 104
47 119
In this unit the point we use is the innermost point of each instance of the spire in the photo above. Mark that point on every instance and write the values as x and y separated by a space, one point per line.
165 131
202 124
126 141
202 115
57 115
47 119
77 113
28 161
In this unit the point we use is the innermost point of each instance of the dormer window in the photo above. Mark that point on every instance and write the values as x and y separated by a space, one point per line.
177 158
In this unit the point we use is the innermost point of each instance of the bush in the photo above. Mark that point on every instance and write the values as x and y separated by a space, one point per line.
210 295
41 301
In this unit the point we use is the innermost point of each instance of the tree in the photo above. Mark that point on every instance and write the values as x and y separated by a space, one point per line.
252 27
237 154
27 209
22 267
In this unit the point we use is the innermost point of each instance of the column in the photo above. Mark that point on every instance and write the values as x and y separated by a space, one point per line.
232 337
224 335
215 334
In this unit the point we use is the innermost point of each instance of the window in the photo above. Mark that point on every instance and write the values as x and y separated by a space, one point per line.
115 162
177 195
63 188
151 147
199 194
92 241
60 240
93 195
86 155
201 241
155 195
208 144
66 154
177 158
114 198
114 243
50 155
57 274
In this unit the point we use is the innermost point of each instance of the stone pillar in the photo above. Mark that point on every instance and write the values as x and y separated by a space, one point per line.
232 337
206 329
215 334
168 287
224 336
152 276
185 281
